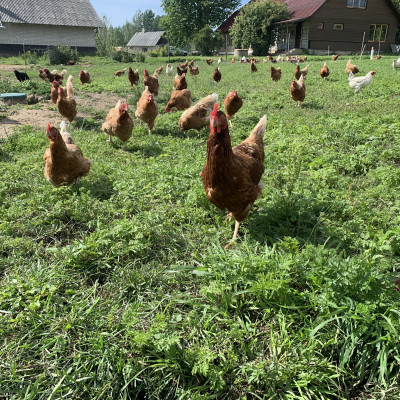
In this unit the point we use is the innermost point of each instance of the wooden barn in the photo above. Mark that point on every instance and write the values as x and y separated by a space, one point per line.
340 25
39 24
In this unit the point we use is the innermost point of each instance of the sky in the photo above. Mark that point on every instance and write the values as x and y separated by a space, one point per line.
120 11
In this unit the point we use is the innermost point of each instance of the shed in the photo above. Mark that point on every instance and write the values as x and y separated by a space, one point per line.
145 41
39 24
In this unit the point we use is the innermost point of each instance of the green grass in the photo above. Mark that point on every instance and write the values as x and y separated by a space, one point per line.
121 288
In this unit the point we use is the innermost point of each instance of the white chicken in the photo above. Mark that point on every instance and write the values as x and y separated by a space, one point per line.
169 70
396 63
358 82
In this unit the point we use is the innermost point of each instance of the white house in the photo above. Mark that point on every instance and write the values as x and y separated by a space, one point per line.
38 24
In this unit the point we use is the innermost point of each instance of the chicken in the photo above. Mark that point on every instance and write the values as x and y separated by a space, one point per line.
358 82
219 60
66 105
53 76
85 77
43 75
265 60
180 82
169 70
298 91
351 68
194 70
181 99
304 71
68 89
120 72
133 76
396 63
232 103
65 135
209 61
231 176
71 62
190 64
21 76
253 67
198 115
270 58
146 109
276 73
335 57
184 65
64 162
181 71
118 123
324 71
159 70
232 60
297 72
217 75
151 82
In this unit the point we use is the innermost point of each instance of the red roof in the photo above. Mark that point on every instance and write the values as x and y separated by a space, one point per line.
302 9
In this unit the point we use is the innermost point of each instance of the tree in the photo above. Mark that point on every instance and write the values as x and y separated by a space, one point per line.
253 25
206 41
148 20
184 18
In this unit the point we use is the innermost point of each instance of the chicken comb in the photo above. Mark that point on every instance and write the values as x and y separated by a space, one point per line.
48 128
215 111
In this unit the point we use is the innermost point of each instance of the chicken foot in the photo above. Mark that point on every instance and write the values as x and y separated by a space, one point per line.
109 139
235 232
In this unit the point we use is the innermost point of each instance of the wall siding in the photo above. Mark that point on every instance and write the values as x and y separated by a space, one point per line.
47 35
356 21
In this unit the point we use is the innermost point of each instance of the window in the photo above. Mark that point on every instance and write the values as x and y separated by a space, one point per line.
377 33
357 3
337 27
320 25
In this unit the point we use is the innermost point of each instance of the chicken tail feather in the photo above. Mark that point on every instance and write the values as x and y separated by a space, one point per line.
259 130
70 87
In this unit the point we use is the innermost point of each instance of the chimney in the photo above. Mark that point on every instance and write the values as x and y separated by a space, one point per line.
143 30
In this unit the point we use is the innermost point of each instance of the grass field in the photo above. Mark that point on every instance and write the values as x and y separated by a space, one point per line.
120 288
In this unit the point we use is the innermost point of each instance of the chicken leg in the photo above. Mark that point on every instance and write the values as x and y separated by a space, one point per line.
235 232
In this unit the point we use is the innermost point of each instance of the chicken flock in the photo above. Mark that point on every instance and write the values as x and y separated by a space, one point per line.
231 175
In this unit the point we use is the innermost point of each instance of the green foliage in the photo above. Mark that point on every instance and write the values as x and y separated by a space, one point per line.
206 41
61 55
140 57
185 18
120 288
122 56
253 25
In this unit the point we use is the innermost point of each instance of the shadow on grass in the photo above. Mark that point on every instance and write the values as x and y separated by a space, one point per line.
102 188
6 157
147 150
298 218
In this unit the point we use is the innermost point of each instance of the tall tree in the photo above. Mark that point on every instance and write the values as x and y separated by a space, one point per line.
184 18
148 20
254 25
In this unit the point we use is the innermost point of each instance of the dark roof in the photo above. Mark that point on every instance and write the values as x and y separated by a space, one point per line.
145 39
227 24
50 12
302 9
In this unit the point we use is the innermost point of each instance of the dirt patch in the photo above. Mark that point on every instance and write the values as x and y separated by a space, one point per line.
41 114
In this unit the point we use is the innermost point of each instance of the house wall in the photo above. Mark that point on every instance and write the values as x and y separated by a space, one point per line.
14 35
355 22
145 49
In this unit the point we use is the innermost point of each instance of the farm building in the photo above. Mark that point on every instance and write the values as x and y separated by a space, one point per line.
39 24
341 25
145 41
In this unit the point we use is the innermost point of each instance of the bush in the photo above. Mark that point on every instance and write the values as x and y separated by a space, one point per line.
61 54
207 41
140 57
122 56
32 58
